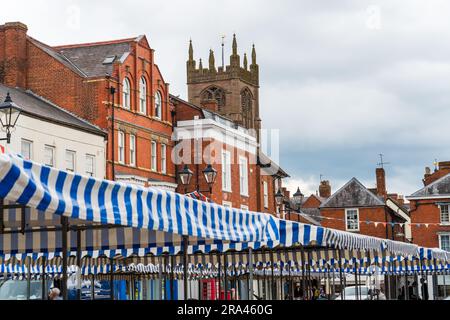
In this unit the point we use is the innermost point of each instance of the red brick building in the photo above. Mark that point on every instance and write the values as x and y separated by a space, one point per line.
79 78
355 208
205 137
429 209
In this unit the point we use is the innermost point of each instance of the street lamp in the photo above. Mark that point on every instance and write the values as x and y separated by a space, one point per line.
210 175
9 113
185 176
279 196
297 198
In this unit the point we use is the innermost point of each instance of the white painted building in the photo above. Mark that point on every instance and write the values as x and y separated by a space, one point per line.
48 134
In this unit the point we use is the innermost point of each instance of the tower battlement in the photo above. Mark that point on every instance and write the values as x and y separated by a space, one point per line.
234 70
233 89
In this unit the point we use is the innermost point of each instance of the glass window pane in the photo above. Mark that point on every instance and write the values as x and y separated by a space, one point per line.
90 165
70 160
26 147
49 154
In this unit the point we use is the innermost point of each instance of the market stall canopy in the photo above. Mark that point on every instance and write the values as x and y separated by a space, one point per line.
108 202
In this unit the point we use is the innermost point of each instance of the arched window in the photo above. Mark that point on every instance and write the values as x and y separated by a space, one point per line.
126 89
158 104
247 110
215 93
143 96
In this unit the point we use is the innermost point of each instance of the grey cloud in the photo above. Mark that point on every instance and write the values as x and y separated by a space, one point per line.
340 90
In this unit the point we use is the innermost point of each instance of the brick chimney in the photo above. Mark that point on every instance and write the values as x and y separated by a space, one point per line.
381 182
13 54
211 105
325 189
442 169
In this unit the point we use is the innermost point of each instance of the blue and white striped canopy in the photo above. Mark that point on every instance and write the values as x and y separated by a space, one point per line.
108 202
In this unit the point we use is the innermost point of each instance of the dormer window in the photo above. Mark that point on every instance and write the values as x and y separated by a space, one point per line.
109 60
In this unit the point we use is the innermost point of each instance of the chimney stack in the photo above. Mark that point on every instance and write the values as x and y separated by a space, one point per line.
13 54
442 169
325 189
381 182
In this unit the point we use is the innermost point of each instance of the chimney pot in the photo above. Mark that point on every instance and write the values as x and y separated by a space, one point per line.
325 189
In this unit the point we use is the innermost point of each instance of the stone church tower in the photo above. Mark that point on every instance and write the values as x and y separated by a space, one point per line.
232 92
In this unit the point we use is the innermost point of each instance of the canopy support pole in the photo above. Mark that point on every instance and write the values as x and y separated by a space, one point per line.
305 290
160 278
250 273
445 285
79 264
219 274
435 285
185 266
92 286
28 278
64 225
225 275
272 280
340 274
44 289
172 270
111 277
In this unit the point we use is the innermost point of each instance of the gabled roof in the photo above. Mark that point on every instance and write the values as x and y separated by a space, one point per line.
90 57
40 108
352 194
437 189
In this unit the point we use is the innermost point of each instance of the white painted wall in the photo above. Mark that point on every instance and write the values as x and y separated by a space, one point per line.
63 138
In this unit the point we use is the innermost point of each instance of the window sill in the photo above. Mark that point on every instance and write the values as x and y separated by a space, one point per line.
245 195
226 190
355 231
445 224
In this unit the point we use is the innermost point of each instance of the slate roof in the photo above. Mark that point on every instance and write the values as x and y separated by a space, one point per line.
438 188
89 58
312 214
38 107
352 194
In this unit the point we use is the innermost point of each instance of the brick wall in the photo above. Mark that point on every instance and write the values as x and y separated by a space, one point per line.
29 64
379 214
426 211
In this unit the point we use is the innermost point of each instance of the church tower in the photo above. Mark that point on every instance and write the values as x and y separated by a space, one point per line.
231 90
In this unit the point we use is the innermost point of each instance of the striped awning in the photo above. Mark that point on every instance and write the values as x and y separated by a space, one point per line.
108 202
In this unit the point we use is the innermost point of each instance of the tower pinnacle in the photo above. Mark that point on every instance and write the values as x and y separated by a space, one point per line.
191 51
245 61
212 66
253 55
234 45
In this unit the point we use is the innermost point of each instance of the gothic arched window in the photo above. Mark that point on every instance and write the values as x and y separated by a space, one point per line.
215 93
247 109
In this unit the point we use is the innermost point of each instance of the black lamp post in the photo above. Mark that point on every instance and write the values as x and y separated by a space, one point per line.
185 175
9 113
209 173
297 199
279 196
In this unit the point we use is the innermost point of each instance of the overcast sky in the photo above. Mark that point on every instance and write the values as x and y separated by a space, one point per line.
342 80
